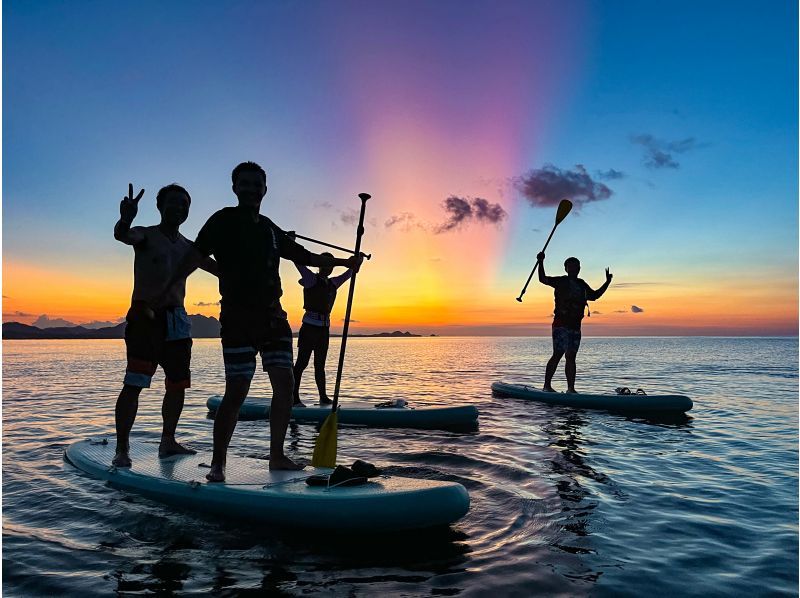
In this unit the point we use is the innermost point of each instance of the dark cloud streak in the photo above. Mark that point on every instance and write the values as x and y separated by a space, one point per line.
660 153
548 185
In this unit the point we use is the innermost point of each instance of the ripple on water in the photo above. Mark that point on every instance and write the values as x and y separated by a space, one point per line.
563 502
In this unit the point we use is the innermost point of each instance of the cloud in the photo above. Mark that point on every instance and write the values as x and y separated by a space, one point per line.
206 303
610 174
659 153
17 314
548 185
352 321
484 211
324 204
349 216
623 285
620 311
597 313
460 210
405 221
44 321
635 309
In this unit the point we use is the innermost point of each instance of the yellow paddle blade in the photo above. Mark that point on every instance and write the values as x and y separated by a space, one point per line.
325 448
563 209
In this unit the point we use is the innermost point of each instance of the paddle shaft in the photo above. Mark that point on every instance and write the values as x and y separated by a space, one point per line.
323 243
536 265
359 233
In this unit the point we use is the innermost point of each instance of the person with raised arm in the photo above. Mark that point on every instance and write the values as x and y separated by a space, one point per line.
156 334
571 297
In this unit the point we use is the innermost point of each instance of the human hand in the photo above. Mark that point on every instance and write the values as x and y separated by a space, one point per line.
129 206
354 262
540 256
609 275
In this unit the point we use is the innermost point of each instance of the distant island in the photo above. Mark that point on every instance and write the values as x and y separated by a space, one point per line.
202 327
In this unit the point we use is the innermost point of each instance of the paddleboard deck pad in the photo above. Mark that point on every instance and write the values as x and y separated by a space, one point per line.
253 492
365 413
632 403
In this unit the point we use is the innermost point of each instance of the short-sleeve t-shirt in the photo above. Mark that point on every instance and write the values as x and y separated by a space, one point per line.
248 255
571 295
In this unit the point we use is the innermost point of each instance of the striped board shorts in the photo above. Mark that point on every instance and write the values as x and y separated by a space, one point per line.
246 332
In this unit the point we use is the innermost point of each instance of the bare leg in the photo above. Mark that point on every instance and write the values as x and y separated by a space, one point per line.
124 416
551 369
570 370
236 391
171 410
303 356
320 355
282 381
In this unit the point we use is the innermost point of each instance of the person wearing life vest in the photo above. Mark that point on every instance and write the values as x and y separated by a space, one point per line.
571 297
319 295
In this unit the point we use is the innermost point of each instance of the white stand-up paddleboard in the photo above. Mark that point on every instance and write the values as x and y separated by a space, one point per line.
366 414
282 498
631 403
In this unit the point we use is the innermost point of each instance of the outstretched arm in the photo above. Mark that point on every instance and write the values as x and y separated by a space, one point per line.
209 265
188 264
128 208
307 277
595 295
542 275
342 278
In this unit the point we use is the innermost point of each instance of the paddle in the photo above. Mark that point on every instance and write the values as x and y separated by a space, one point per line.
325 447
293 234
563 209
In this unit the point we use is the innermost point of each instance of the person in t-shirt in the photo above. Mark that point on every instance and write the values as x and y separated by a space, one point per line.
161 336
319 295
571 296
248 248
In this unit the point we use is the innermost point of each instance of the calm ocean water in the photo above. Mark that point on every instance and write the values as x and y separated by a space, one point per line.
564 502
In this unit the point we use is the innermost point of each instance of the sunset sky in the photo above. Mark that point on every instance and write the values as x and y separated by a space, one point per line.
671 126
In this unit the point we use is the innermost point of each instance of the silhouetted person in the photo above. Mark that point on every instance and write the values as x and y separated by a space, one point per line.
161 336
248 248
319 295
571 296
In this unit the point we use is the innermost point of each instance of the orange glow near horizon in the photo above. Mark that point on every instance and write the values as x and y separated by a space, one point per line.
424 300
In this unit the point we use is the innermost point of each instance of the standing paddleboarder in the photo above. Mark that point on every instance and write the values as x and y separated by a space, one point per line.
319 295
571 296
248 248
160 336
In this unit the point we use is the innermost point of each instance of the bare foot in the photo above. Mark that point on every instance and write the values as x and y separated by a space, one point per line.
548 388
325 401
217 474
283 463
121 459
298 403
169 448
572 391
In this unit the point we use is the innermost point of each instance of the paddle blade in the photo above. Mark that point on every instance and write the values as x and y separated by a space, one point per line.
563 209
325 448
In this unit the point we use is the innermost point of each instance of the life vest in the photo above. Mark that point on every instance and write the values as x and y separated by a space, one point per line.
320 296
570 301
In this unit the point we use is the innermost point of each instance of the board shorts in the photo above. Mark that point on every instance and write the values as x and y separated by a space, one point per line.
313 338
247 331
163 340
566 340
